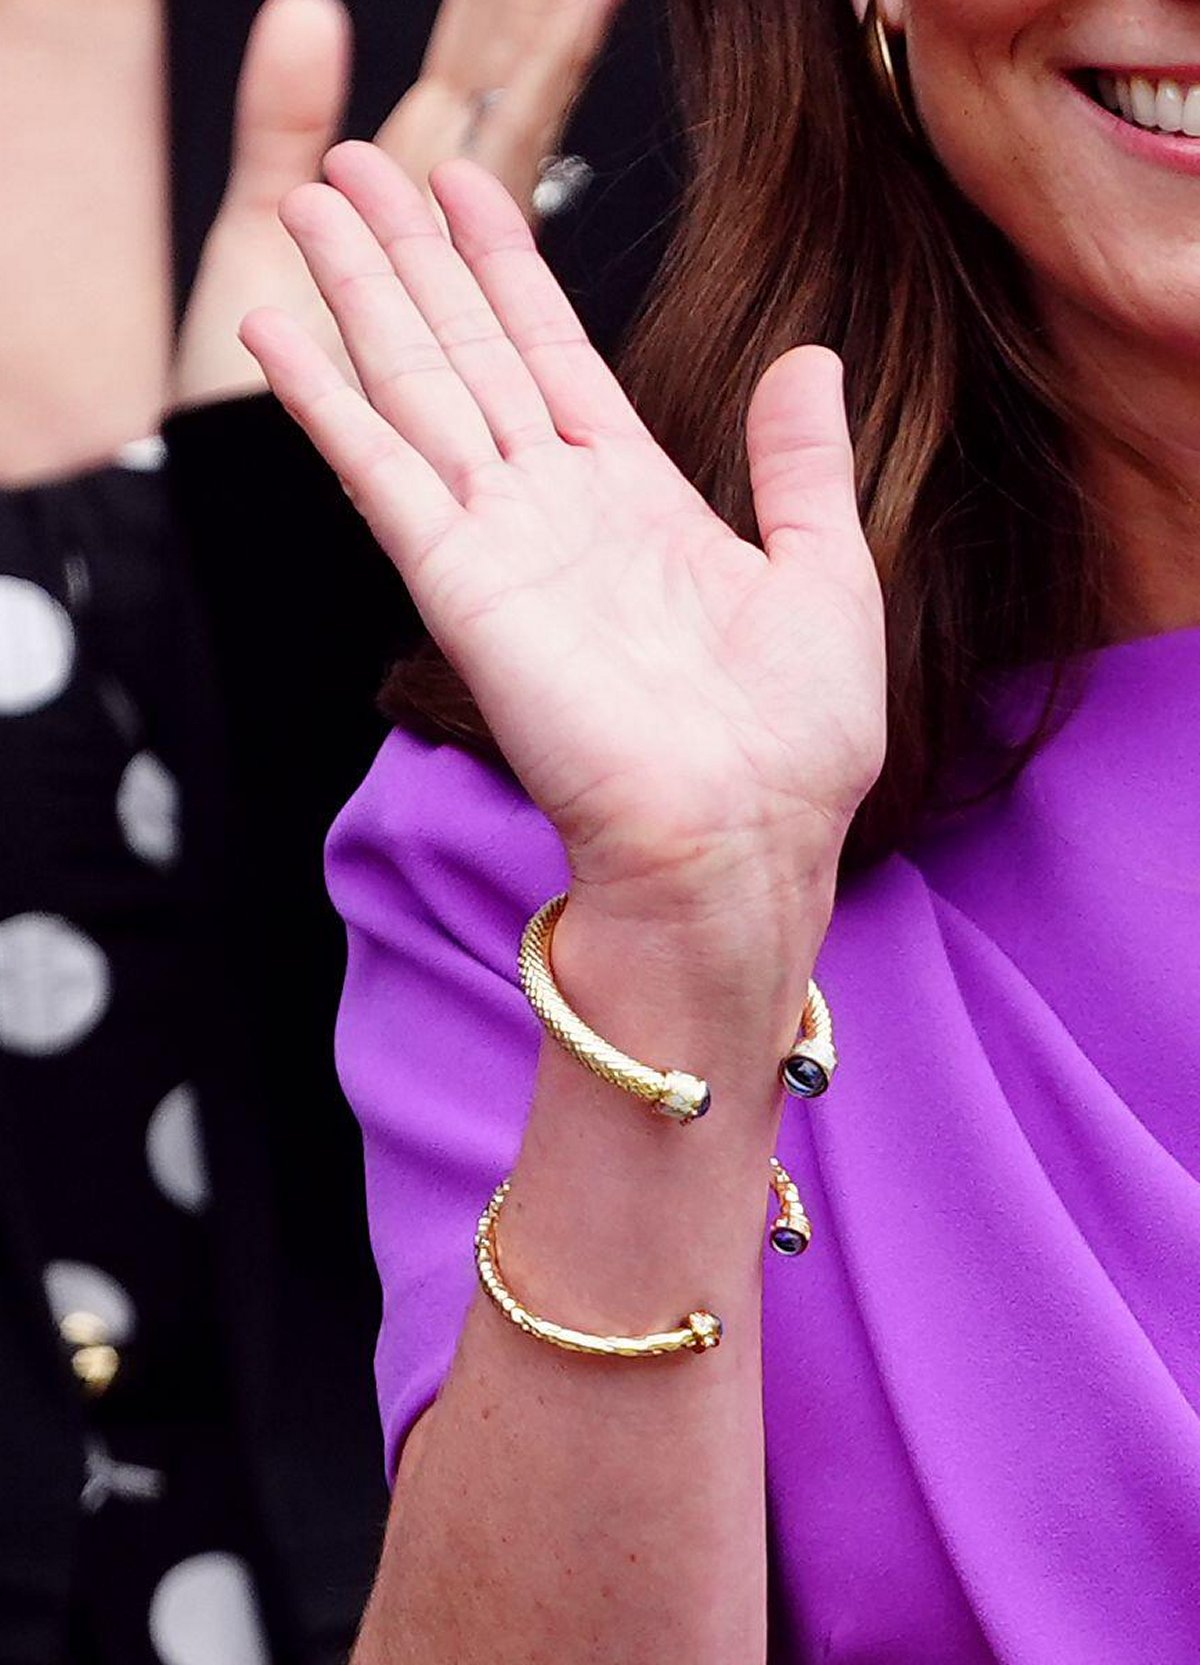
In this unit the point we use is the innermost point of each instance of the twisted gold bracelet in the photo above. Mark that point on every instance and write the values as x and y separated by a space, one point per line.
791 1231
805 1072
699 1332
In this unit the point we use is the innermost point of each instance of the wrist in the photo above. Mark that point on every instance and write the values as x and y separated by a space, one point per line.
718 984
723 880
690 988
748 927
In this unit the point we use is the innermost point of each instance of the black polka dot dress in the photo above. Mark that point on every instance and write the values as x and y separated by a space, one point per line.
100 729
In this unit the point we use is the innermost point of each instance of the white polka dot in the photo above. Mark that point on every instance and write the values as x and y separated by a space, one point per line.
74 1286
143 456
204 1612
54 984
37 646
175 1151
148 809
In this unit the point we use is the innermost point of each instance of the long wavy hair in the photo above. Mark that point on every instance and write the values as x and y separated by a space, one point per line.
810 215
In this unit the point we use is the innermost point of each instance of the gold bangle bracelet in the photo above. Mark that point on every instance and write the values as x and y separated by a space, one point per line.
791 1231
805 1072
699 1332
808 1068
675 1093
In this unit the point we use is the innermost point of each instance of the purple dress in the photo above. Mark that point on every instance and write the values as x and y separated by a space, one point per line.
983 1381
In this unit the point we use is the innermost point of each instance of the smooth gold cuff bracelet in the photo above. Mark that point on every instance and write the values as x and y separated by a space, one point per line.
805 1072
699 1332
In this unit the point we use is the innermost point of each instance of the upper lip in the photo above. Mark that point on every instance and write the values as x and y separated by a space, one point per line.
1149 72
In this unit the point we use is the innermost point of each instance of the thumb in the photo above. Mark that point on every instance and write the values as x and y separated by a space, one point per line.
291 96
801 459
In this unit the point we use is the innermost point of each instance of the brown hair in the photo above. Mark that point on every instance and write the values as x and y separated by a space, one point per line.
810 216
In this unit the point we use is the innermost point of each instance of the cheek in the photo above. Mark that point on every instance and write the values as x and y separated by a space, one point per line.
975 79
994 111
1112 236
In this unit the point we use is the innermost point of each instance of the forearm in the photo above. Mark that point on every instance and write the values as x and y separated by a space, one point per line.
552 1506
666 694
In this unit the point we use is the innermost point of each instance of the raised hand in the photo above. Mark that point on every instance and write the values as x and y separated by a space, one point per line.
690 711
497 81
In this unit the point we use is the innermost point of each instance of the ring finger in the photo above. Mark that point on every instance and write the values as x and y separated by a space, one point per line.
442 284
400 362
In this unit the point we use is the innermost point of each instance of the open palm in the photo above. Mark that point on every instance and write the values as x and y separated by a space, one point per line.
667 693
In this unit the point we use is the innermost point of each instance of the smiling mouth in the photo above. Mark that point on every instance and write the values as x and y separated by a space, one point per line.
1155 105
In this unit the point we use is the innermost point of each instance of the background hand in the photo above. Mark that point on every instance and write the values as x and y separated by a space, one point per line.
688 710
291 97
498 80
497 83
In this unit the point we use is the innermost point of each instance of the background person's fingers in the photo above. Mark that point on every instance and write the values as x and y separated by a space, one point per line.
406 503
446 292
291 97
583 396
398 359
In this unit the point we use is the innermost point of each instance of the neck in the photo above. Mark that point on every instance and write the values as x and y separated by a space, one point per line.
1142 470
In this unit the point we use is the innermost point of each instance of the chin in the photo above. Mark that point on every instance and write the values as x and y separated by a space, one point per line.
1148 326
1122 305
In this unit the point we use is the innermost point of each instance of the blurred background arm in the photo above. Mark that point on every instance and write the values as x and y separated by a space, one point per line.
498 81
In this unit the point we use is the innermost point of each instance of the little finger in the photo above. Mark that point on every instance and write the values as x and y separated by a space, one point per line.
406 503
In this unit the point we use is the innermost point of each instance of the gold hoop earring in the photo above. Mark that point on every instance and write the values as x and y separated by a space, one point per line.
883 65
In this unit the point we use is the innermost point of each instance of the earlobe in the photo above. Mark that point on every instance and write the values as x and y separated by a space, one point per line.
883 44
891 13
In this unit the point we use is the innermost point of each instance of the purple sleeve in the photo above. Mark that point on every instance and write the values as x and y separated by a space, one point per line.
435 865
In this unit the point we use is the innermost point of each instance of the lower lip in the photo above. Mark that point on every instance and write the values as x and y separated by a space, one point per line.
1165 150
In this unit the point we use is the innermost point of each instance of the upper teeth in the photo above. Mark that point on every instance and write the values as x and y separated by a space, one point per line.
1166 105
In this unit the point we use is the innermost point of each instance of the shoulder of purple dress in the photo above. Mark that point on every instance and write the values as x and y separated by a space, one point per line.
439 829
436 828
